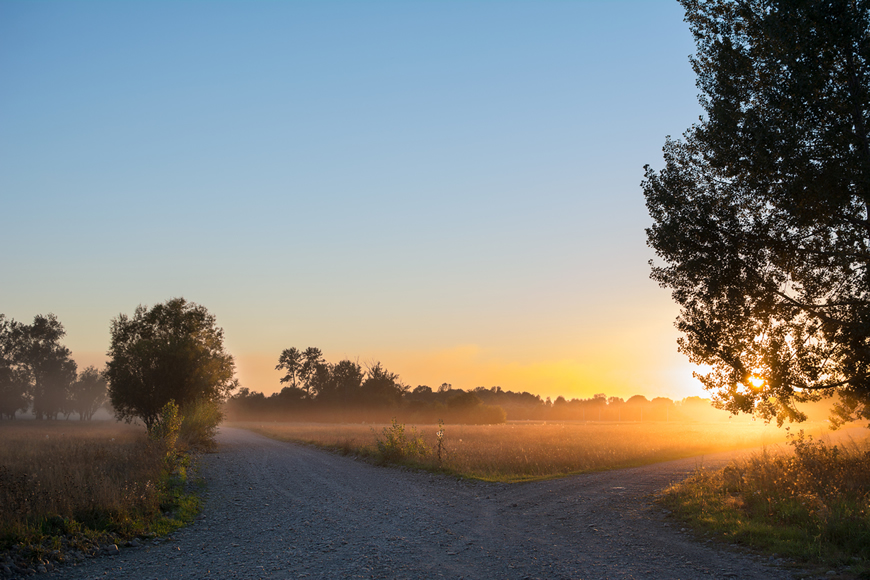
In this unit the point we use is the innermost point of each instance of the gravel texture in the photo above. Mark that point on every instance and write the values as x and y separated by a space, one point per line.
281 510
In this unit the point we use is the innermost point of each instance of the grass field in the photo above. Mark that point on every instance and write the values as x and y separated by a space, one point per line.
519 451
77 485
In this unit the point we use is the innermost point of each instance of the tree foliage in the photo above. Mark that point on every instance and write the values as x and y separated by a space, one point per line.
173 351
762 211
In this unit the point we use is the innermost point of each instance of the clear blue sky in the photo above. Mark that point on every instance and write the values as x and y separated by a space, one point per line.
449 187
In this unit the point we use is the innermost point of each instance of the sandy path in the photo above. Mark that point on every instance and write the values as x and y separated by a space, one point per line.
280 510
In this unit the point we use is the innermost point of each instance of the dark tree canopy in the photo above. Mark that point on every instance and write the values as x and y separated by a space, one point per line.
762 211
174 351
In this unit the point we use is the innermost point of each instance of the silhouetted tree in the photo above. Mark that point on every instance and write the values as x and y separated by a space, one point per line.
381 387
422 390
174 351
762 212
312 370
345 380
291 360
290 397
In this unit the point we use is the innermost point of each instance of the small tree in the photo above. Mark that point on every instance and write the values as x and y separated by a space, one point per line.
173 351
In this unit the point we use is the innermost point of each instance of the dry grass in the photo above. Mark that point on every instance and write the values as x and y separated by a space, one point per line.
58 476
524 450
809 501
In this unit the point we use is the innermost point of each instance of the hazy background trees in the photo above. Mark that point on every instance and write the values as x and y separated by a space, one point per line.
37 372
347 391
88 393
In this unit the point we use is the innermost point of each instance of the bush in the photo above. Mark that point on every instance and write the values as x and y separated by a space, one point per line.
397 446
164 434
201 421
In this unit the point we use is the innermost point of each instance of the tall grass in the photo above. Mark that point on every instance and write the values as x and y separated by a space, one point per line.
68 479
809 501
520 450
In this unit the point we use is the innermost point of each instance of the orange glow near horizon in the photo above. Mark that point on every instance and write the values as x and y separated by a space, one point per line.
468 367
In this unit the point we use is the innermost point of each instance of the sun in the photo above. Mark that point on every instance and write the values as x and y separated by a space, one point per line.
756 381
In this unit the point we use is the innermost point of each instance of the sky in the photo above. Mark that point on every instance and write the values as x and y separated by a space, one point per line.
449 188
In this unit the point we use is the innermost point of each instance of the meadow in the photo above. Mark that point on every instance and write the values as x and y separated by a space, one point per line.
517 451
73 486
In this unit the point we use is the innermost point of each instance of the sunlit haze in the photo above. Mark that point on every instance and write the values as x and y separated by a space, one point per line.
451 188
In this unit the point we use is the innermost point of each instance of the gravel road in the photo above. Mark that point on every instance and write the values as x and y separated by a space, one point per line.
281 510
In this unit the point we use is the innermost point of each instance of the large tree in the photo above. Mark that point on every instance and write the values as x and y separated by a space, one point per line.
173 351
762 211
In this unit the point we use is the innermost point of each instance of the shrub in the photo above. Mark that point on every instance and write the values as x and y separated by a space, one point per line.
164 434
813 503
200 424
396 445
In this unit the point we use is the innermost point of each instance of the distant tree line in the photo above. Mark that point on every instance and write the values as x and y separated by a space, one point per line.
37 372
317 390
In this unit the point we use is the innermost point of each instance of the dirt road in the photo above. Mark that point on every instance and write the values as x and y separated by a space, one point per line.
279 510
